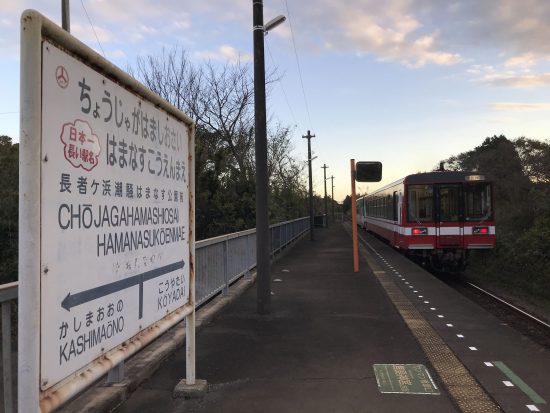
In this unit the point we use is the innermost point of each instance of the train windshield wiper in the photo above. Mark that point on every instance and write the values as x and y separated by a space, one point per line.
484 218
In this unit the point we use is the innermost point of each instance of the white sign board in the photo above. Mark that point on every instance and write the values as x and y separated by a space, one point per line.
114 211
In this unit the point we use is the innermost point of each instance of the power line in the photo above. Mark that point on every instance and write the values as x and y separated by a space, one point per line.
297 61
93 28
282 86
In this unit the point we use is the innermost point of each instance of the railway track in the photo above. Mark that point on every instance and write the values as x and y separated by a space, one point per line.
526 314
530 325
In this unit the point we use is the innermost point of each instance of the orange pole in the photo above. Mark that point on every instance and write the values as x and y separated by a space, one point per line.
354 219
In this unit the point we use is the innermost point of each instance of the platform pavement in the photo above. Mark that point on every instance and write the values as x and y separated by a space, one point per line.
314 352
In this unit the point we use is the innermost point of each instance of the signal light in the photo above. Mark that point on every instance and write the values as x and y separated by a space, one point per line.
420 231
480 230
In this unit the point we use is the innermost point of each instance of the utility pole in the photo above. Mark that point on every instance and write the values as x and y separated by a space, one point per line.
311 223
332 197
262 181
325 176
65 15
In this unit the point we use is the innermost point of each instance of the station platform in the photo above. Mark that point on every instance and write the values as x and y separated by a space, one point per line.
389 338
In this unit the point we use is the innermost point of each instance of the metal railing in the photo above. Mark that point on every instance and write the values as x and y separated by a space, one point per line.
219 262
8 295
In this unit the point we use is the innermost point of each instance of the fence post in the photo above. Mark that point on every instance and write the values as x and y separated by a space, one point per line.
247 274
225 268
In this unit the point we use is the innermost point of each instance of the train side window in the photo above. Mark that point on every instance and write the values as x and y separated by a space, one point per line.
420 203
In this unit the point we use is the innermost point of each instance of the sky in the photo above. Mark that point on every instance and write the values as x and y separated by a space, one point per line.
405 82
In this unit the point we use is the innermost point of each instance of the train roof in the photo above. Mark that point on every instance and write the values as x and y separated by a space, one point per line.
444 177
438 177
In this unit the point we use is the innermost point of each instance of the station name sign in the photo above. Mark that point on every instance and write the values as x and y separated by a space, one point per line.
115 214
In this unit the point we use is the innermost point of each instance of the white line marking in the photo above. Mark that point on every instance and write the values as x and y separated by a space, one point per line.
508 383
441 316
449 325
426 302
415 291
460 335
433 308
489 364
473 348
533 408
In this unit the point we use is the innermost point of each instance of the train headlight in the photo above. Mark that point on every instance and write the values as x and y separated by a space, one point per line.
480 230
420 231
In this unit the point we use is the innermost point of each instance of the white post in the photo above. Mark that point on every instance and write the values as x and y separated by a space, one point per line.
190 375
28 392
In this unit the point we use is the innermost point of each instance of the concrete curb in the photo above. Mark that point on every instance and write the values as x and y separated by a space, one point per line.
105 398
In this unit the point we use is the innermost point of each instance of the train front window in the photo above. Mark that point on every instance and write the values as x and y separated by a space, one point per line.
420 203
477 198
449 203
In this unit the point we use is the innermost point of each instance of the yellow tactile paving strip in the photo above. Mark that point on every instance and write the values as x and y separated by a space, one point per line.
461 385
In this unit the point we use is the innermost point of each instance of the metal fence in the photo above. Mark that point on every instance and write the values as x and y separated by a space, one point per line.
219 262
8 295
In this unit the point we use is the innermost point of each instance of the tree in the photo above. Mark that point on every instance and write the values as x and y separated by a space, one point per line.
535 159
219 98
520 172
287 183
9 206
346 206
498 158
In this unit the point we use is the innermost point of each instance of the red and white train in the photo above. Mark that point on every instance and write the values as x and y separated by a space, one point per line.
436 216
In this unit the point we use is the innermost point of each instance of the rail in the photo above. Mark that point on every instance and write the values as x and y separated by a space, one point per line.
219 262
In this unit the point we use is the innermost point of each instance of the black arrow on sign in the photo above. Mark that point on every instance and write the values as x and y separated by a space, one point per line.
73 300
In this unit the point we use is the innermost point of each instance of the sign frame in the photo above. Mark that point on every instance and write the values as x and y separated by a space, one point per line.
36 29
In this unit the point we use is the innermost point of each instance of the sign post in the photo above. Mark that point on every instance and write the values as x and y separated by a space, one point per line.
106 259
362 172
354 218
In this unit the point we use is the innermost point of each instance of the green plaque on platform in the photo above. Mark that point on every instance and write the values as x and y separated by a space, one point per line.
404 379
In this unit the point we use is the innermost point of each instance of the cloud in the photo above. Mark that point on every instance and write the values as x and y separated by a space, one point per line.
502 120
422 32
390 32
414 33
507 75
515 80
525 60
519 106
87 35
116 54
515 27
224 53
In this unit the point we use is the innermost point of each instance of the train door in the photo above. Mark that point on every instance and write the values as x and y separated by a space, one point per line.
395 218
449 222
